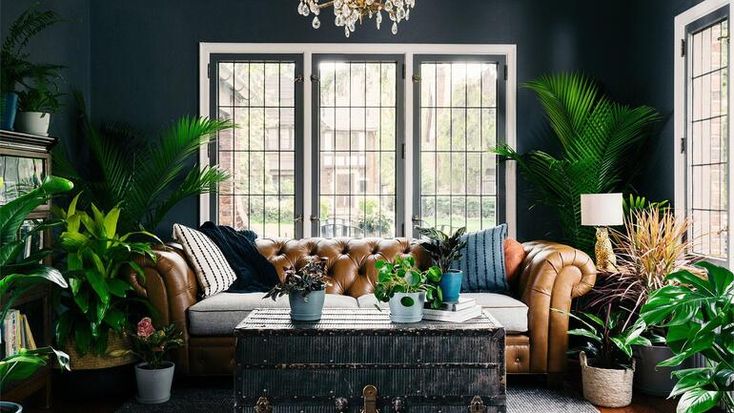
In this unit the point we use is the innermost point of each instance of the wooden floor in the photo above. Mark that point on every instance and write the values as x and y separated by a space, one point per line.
640 404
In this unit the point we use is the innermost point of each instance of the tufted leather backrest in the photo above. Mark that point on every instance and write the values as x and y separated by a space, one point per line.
350 262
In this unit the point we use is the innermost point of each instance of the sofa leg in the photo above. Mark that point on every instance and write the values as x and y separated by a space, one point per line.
555 380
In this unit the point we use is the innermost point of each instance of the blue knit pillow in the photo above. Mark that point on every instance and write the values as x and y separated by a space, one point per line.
483 262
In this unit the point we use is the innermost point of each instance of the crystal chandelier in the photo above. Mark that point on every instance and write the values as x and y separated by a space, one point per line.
348 12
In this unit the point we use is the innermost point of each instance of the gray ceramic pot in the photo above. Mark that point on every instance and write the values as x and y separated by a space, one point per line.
154 385
307 308
407 307
10 407
649 378
35 123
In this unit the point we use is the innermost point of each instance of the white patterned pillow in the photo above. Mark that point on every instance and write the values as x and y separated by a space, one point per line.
211 267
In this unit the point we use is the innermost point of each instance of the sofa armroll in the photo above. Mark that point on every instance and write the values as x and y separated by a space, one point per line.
170 286
551 276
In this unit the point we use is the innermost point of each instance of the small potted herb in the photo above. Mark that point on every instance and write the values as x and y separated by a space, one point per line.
306 290
154 375
445 250
36 104
607 363
406 288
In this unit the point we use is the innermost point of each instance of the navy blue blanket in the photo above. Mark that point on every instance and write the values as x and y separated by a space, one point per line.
254 272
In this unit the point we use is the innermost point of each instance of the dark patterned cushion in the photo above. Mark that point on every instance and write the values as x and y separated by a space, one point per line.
483 262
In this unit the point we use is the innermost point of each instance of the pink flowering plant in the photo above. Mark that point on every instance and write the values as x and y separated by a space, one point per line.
152 345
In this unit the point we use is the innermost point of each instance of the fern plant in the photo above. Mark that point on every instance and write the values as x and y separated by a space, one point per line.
16 67
144 176
601 143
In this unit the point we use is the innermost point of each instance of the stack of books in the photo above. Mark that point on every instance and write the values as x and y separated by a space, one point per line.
16 333
458 312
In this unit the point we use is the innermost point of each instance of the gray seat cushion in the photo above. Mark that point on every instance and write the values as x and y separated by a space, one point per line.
511 313
219 314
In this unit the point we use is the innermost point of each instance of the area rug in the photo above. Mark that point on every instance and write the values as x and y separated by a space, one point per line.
520 399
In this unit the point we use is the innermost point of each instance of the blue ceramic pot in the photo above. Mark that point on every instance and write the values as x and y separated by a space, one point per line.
451 285
407 307
307 308
9 109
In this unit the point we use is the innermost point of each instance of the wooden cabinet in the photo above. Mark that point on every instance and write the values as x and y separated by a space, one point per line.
25 160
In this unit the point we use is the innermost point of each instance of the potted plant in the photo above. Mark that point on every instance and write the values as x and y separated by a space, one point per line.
406 288
445 250
698 313
15 65
36 104
306 288
607 365
19 274
651 246
154 375
94 310
147 175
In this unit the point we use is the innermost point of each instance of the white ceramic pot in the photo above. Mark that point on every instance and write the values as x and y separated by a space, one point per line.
34 123
154 385
607 387
407 307
10 407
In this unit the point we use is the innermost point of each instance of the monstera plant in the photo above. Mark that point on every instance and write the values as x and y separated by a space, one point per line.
600 146
20 273
698 313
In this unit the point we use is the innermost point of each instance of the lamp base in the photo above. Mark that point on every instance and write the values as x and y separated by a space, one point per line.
605 258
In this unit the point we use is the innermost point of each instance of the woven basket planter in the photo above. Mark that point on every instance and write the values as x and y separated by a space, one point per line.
90 361
607 387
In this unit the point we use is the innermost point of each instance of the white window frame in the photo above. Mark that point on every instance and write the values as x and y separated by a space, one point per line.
681 144
509 51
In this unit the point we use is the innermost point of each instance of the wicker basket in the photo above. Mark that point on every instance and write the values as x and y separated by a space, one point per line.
607 387
91 361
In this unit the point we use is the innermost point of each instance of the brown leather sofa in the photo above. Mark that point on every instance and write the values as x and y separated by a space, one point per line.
550 276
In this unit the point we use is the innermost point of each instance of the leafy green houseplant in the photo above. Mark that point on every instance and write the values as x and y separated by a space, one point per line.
19 274
16 67
37 102
145 176
97 302
652 245
606 356
406 288
601 143
305 288
698 314
445 250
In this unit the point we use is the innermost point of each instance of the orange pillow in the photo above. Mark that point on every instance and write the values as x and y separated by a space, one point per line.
514 254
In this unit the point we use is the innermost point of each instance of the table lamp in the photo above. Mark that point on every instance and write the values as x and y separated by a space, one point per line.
602 211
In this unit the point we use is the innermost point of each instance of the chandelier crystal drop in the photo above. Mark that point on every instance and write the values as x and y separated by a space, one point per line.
347 13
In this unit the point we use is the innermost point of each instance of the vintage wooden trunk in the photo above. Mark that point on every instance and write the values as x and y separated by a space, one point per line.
330 366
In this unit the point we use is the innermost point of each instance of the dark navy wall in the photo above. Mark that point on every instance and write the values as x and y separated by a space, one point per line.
652 56
144 65
66 44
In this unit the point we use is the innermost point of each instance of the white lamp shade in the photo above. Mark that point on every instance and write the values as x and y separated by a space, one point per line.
601 210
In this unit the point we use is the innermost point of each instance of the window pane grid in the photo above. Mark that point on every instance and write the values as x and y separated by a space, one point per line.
259 152
356 138
707 158
458 122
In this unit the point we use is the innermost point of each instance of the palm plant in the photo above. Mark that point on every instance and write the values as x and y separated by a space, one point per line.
144 176
601 142
16 67
19 274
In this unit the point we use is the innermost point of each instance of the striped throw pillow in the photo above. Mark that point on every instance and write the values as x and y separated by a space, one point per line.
211 267
483 262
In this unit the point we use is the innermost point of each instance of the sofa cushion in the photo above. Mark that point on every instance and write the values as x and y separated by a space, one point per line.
219 314
211 267
511 313
483 261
